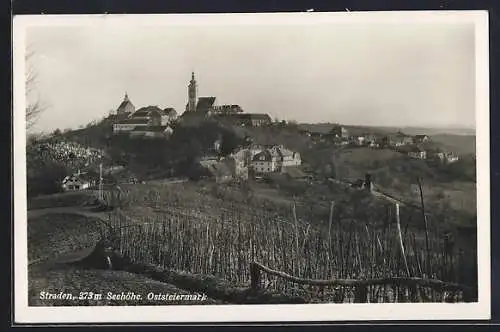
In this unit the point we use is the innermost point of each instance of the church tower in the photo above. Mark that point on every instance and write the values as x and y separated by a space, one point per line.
192 87
126 107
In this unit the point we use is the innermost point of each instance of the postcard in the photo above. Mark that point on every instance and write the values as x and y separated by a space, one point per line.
229 168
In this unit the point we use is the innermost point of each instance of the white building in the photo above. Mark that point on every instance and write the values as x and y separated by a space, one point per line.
78 181
417 153
264 162
286 157
275 159
145 117
128 125
447 157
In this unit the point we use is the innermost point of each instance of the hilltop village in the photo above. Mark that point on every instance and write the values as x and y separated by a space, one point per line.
152 121
249 158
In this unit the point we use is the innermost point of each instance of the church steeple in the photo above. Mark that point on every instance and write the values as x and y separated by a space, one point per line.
126 106
192 87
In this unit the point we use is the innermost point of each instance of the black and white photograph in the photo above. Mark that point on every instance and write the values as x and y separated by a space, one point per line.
251 167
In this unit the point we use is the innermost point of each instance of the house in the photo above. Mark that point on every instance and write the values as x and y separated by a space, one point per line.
227 109
149 116
275 159
244 156
129 124
264 162
451 158
151 113
79 181
359 140
340 131
421 139
417 153
446 157
285 157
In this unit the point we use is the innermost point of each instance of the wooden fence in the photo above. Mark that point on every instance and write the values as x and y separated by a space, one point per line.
404 289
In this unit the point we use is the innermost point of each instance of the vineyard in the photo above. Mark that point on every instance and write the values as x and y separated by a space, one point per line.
198 232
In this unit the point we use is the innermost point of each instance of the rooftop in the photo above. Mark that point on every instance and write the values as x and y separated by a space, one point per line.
147 111
205 103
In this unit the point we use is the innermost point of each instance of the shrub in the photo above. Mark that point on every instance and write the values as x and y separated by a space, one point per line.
45 178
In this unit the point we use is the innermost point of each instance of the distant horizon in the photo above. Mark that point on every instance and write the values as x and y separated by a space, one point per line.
389 126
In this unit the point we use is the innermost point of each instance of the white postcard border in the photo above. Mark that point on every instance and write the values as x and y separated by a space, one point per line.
254 313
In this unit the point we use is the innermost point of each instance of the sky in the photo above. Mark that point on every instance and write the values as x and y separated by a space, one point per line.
380 74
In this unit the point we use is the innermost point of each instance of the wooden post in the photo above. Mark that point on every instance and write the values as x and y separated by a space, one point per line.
255 276
361 294
427 249
330 219
101 197
401 240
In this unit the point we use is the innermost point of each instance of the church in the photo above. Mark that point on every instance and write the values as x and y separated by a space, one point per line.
200 109
149 121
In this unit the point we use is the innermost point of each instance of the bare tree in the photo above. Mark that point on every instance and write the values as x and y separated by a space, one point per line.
34 104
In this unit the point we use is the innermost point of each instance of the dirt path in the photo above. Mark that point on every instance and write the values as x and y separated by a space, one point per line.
81 210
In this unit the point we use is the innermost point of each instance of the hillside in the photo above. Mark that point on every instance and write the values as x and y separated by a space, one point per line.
460 144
